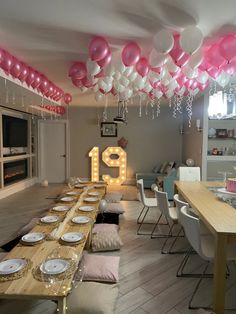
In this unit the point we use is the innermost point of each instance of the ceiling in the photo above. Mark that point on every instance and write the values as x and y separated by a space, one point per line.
51 34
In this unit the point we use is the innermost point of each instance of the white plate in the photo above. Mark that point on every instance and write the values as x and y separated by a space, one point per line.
49 219
54 266
80 185
33 237
93 193
61 208
91 199
86 208
72 236
223 190
80 219
67 199
73 193
12 266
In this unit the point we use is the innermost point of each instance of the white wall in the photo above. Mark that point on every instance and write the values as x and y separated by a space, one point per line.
150 142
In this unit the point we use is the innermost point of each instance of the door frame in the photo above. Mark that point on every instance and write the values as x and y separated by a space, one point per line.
41 150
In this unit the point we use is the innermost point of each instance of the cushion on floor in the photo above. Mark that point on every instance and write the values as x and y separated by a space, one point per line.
109 218
101 268
105 228
115 208
93 298
107 240
113 197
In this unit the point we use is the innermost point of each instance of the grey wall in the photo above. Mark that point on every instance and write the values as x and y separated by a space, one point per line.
192 140
150 141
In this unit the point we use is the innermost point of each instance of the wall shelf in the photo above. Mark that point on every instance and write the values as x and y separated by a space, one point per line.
221 158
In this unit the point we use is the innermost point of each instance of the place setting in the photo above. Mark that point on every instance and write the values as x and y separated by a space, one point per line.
50 220
60 208
33 238
91 199
12 269
72 238
80 220
86 208
93 193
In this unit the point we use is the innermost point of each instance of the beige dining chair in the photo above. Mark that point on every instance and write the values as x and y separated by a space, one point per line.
147 202
204 245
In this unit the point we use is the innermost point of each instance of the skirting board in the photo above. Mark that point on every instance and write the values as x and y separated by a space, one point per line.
17 187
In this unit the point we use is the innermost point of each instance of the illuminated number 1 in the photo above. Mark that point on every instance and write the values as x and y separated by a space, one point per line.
119 161
94 154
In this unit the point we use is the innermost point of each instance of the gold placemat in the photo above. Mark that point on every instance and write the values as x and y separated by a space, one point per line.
38 275
18 274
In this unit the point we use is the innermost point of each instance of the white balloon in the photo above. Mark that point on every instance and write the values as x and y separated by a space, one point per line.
92 67
173 85
181 91
95 88
102 85
147 87
102 205
139 82
163 41
108 79
158 94
202 77
133 76
128 93
108 87
124 81
189 72
171 66
83 89
99 95
117 75
120 66
169 94
223 79
109 70
196 59
191 39
166 79
128 71
157 59
194 92
153 76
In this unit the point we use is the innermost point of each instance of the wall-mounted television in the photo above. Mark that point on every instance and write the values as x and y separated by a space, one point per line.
15 131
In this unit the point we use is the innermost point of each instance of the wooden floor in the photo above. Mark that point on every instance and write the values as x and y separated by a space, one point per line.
148 282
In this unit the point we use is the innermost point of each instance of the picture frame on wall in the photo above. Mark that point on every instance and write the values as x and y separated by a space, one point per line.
108 129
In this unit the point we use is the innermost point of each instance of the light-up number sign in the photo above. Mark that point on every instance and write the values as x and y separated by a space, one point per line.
94 154
119 160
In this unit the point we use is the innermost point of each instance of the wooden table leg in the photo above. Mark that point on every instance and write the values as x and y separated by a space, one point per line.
61 306
219 274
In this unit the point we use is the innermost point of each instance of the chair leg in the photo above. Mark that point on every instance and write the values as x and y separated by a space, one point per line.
153 235
142 222
166 240
176 237
195 290
138 221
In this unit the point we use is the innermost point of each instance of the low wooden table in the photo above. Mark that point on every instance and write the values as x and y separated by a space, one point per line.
28 287
220 218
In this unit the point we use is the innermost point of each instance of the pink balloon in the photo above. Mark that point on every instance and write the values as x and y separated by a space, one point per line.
214 72
2 54
188 83
176 53
202 87
67 98
78 70
50 90
30 77
228 47
106 60
230 68
86 83
24 72
205 65
214 57
7 62
142 66
98 48
37 80
181 79
131 54
113 91
44 86
16 68
156 70
194 85
76 82
183 60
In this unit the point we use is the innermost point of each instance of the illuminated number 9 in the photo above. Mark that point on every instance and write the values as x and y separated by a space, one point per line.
119 160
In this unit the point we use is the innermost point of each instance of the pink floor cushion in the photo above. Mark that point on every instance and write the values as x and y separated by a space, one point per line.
113 197
93 298
105 228
101 268
106 238
115 208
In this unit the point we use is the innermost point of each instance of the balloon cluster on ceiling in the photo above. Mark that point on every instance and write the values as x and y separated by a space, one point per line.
54 109
178 65
34 79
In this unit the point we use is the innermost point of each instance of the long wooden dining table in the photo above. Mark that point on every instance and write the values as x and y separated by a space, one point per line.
220 219
28 287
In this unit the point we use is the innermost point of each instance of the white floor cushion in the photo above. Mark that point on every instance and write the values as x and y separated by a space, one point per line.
93 298
115 208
